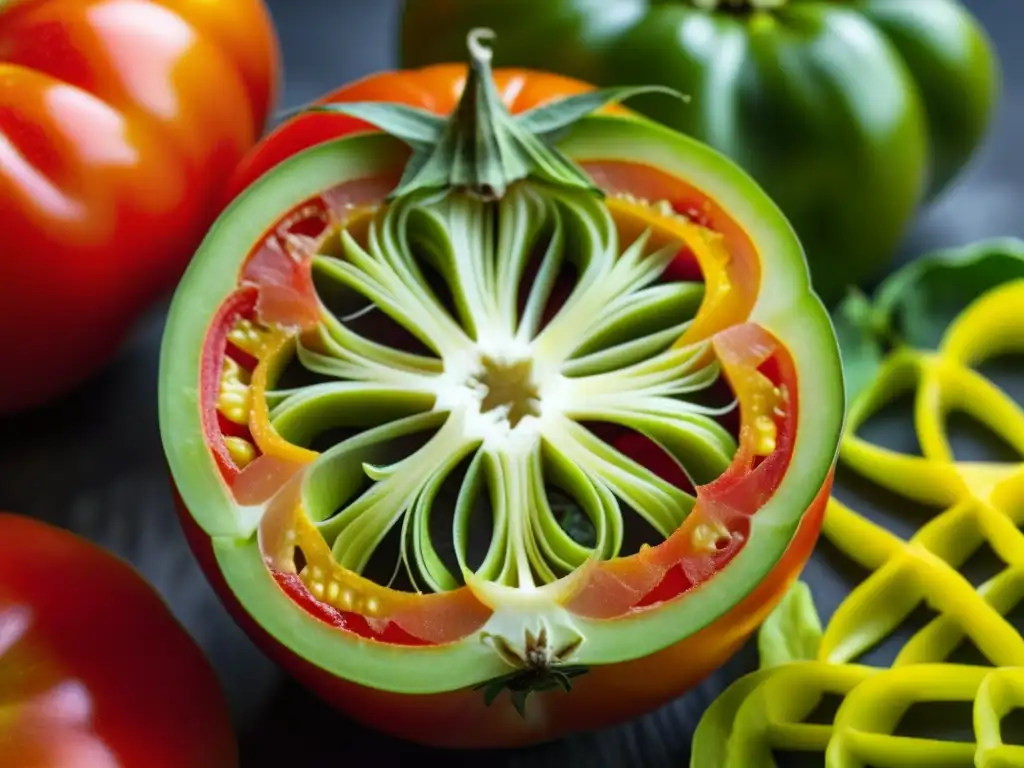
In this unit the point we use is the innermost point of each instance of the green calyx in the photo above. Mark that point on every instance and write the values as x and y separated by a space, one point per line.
481 148
537 669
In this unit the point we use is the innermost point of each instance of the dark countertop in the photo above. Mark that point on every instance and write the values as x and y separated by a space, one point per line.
93 463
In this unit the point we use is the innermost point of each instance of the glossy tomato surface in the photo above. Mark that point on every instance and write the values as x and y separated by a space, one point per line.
120 122
95 672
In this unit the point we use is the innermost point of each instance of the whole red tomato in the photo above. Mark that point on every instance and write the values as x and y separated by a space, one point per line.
95 672
120 121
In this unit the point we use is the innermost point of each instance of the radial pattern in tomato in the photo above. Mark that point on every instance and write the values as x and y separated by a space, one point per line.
498 418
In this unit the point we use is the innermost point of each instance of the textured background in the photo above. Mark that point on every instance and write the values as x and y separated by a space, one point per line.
93 463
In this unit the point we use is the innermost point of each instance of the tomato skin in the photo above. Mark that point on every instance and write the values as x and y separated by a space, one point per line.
120 122
136 691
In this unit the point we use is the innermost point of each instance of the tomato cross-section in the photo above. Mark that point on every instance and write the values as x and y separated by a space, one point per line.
480 445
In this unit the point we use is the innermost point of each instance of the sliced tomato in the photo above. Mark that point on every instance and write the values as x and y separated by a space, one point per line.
650 623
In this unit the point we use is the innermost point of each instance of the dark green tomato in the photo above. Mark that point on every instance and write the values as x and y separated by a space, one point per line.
850 114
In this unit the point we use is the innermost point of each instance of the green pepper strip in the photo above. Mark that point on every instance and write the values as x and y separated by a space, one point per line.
982 502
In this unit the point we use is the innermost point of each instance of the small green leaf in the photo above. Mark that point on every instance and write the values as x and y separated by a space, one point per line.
916 304
710 747
859 343
519 701
923 298
792 632
412 125
547 121
492 691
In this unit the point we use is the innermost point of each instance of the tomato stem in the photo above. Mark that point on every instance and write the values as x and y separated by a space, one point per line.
482 149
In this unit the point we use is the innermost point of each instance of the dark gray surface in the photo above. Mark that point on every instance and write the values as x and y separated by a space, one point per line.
93 462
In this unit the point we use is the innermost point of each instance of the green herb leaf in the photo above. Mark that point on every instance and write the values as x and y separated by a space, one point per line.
923 298
548 121
710 747
416 127
792 632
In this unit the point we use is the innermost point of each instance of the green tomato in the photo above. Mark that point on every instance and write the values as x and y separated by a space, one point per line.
849 114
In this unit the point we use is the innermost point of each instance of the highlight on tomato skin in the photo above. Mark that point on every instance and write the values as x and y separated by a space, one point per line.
94 669
108 186
523 449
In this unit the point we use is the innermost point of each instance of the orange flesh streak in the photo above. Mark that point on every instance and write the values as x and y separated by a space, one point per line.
717 250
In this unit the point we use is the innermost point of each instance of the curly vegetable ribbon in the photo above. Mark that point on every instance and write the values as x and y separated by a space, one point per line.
981 502
765 711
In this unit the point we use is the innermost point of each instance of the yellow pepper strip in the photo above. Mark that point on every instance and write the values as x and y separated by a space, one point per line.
765 711
981 500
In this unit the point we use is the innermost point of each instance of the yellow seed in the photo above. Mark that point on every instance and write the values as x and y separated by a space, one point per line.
240 450
247 337
765 435
332 592
317 588
316 572
372 605
347 599
707 537
234 399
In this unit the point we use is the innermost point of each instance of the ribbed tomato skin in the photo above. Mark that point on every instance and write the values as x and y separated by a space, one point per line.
121 122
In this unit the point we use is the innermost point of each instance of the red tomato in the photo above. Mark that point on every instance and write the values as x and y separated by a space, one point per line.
95 672
120 121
